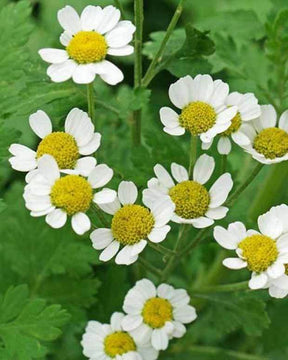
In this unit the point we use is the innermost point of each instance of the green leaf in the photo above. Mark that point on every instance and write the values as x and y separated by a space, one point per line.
26 323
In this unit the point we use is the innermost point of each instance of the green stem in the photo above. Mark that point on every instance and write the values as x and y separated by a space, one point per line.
223 163
137 114
91 103
217 353
231 199
200 236
150 73
193 154
222 288
161 249
120 7
100 215
149 267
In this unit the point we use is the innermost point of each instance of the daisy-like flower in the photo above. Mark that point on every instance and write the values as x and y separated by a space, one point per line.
194 204
265 253
157 314
263 139
88 40
247 110
66 147
203 109
110 341
131 225
57 197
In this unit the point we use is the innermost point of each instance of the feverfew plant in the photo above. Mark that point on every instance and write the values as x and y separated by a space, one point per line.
137 194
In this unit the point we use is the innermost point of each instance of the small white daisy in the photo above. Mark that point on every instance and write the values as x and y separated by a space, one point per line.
110 341
57 197
265 253
88 40
263 139
195 205
131 225
157 314
66 147
247 110
203 109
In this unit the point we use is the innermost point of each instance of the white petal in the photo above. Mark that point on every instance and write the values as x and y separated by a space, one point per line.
127 255
224 145
20 164
107 19
220 190
201 222
54 56
108 72
185 314
121 35
92 146
61 72
177 131
202 88
101 238
48 168
225 238
157 235
40 124
111 208
207 145
142 334
146 288
162 211
69 19
203 169
277 292
105 196
110 251
226 116
258 281
80 223
267 119
220 93
100 176
276 270
180 93
179 329
217 213
163 176
240 138
179 172
283 121
122 51
270 225
84 74
131 322
234 263
56 219
65 38
85 165
159 339
89 16
116 320
127 192
169 117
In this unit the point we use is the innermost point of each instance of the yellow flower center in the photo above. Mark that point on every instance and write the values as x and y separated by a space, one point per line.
235 125
131 224
190 198
62 147
72 193
118 343
197 117
259 251
87 47
272 143
286 269
156 312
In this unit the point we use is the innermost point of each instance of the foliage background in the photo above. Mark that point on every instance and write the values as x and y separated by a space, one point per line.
51 282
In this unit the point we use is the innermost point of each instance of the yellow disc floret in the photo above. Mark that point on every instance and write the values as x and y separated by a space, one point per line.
72 193
87 47
235 125
259 251
191 199
118 343
197 117
62 147
131 224
272 143
156 312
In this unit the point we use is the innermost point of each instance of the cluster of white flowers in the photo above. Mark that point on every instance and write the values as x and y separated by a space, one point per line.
153 316
64 180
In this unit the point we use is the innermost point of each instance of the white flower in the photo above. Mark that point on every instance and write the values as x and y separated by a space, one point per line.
57 197
263 139
248 109
265 253
131 225
66 147
110 341
88 40
202 102
157 314
195 205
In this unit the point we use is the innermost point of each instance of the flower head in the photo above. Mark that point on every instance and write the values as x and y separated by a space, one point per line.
131 225
88 40
247 110
111 341
68 148
265 253
55 197
263 139
203 109
157 314
194 204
